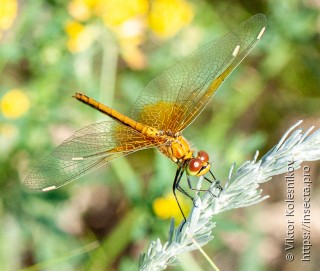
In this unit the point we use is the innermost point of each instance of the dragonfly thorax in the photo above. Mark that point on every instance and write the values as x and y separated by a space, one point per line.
177 148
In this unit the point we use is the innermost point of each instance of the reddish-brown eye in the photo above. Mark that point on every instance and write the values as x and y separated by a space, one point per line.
203 156
194 166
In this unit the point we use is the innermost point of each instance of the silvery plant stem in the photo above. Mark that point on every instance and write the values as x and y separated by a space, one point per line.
241 190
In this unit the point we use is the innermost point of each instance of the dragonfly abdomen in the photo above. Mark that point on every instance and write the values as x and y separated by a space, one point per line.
114 114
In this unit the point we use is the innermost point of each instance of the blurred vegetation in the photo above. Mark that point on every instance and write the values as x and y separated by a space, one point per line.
109 50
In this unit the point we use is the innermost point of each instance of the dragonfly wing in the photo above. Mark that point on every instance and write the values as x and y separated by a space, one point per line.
86 150
172 100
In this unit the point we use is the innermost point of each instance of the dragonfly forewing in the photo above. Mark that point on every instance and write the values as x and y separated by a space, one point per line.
86 150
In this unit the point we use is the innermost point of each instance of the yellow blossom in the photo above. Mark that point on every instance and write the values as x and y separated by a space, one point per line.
74 28
128 20
130 36
8 131
167 17
8 137
115 13
14 104
81 10
80 36
8 12
167 207
133 55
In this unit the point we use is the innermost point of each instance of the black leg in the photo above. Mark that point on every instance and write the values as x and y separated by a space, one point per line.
216 184
212 175
201 190
207 180
195 189
176 181
176 185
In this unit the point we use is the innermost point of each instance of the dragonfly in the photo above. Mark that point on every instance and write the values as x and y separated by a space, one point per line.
164 108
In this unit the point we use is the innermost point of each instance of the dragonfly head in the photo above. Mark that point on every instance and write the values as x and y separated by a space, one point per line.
198 165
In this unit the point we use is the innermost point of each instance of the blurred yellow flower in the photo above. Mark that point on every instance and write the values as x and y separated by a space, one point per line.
8 12
80 36
128 20
8 131
14 104
8 137
167 207
130 36
132 54
82 10
115 13
74 28
167 17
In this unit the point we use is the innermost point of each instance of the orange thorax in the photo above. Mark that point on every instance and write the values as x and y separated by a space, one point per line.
177 148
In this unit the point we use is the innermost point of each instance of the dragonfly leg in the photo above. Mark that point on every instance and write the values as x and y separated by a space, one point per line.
216 185
212 175
176 186
199 190
176 183
208 180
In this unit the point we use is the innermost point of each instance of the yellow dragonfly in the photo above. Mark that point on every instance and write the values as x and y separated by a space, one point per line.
165 107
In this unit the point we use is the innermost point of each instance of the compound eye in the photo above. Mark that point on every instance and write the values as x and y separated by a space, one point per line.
203 156
194 166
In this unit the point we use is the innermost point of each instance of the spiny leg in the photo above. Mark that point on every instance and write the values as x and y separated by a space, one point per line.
216 185
208 180
176 185
195 189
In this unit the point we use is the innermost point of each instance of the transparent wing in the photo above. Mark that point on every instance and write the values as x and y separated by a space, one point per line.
86 150
176 97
